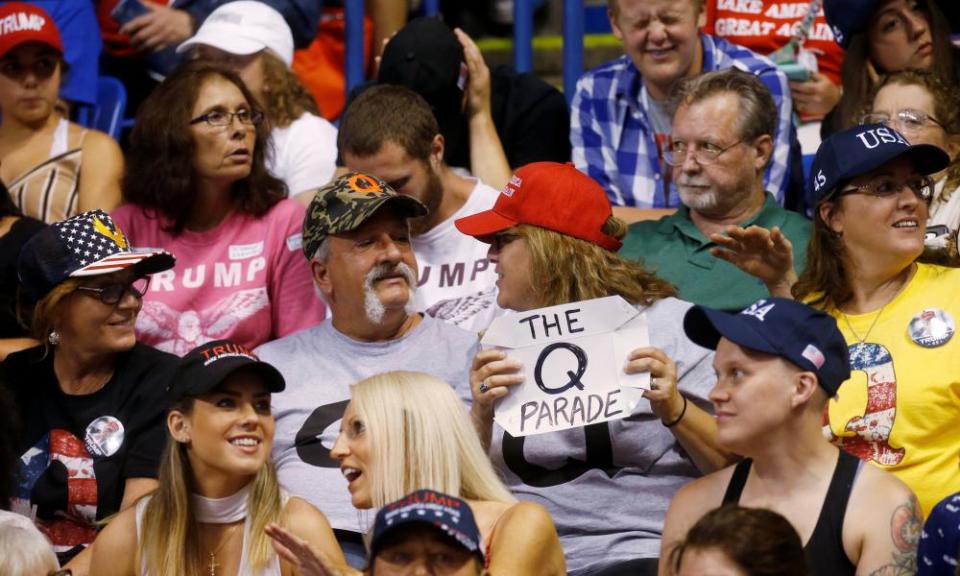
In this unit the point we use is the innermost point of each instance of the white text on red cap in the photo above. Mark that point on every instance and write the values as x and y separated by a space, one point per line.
22 21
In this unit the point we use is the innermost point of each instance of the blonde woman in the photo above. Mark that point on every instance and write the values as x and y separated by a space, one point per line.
217 488
403 431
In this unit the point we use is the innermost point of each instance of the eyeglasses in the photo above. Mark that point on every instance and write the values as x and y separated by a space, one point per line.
887 187
111 294
906 120
704 154
221 118
502 239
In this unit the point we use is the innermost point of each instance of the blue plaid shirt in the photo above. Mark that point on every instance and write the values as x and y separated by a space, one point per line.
614 142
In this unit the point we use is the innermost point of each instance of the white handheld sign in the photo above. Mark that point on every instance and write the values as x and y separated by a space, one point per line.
573 357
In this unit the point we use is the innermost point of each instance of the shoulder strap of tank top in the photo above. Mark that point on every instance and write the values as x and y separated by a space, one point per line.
826 542
737 481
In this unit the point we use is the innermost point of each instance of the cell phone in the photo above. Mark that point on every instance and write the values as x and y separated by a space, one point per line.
127 10
795 72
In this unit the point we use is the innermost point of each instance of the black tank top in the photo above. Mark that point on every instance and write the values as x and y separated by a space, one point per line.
824 551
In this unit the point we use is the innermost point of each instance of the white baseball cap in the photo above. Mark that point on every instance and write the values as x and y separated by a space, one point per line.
245 27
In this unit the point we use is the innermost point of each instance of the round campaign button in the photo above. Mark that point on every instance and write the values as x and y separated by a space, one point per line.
104 437
931 327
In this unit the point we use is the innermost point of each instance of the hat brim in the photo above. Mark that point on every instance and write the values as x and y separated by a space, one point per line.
483 225
705 327
229 43
926 158
145 261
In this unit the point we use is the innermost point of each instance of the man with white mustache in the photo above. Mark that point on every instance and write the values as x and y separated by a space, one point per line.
356 236
721 143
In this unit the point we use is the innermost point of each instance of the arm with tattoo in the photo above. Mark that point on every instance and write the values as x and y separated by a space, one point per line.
905 525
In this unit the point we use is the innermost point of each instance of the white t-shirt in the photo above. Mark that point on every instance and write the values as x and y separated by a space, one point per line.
304 153
457 283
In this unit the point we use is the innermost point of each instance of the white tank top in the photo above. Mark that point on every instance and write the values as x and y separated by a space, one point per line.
271 569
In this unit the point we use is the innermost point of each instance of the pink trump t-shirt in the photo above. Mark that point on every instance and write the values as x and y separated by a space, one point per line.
245 280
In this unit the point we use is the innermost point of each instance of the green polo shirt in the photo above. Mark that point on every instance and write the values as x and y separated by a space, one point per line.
677 251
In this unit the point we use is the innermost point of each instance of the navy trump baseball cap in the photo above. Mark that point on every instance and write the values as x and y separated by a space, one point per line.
862 149
448 514
806 337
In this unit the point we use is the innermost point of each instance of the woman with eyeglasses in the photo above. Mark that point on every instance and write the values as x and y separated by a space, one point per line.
900 408
881 37
41 151
924 109
89 397
553 240
198 186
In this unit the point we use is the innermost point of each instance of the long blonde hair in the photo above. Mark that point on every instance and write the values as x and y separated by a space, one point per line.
569 269
169 534
421 437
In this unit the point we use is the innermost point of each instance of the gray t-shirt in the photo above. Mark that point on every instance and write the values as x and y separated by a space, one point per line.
608 485
320 364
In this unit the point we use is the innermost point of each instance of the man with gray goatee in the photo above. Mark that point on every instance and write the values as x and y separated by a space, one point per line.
356 235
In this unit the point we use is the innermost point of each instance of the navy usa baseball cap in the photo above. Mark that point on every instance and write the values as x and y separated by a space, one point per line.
847 18
806 337
862 149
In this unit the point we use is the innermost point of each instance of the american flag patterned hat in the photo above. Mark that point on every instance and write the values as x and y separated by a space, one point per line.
89 244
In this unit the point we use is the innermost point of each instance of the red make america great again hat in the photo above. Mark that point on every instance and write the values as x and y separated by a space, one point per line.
553 196
21 23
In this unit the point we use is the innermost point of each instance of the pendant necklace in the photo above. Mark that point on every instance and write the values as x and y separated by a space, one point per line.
213 565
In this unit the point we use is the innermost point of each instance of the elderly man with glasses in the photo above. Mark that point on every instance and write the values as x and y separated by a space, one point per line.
722 140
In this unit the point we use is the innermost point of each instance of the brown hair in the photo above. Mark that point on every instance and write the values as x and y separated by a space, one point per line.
160 176
757 112
284 97
855 76
388 113
823 282
945 109
761 542
568 269
41 318
613 6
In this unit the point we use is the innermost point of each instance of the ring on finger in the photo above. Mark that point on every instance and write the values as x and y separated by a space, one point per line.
483 387
653 384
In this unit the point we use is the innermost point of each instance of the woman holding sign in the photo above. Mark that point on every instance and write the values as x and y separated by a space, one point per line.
553 240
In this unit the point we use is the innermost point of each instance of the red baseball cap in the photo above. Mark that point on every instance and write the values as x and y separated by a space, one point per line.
554 196
21 23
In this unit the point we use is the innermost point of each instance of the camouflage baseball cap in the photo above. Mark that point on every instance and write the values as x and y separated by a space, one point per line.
344 204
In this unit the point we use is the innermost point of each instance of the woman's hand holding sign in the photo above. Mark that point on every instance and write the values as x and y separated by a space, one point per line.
665 400
490 375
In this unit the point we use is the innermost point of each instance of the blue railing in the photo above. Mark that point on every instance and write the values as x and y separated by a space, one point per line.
573 29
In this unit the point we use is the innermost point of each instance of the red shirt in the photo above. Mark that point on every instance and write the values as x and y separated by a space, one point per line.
765 26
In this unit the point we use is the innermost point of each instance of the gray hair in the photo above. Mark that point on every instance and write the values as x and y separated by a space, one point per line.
322 252
758 111
23 548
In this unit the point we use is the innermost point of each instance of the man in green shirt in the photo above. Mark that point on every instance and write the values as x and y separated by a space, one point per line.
722 139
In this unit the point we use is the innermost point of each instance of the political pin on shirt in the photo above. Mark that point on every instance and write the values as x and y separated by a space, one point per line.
931 327
104 436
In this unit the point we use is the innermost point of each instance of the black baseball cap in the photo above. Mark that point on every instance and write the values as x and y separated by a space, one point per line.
862 149
806 337
207 365
426 57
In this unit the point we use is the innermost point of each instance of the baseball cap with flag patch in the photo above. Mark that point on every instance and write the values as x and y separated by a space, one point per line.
346 203
89 244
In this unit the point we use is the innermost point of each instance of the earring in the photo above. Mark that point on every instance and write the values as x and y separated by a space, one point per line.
53 338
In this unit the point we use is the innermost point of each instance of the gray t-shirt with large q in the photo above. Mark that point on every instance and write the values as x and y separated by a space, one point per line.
319 365
608 485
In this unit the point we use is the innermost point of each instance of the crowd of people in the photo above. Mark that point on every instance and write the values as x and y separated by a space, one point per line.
244 340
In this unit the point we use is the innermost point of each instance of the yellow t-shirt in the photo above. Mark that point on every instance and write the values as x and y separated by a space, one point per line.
900 409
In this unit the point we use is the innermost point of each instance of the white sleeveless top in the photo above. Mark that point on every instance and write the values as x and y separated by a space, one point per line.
271 569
